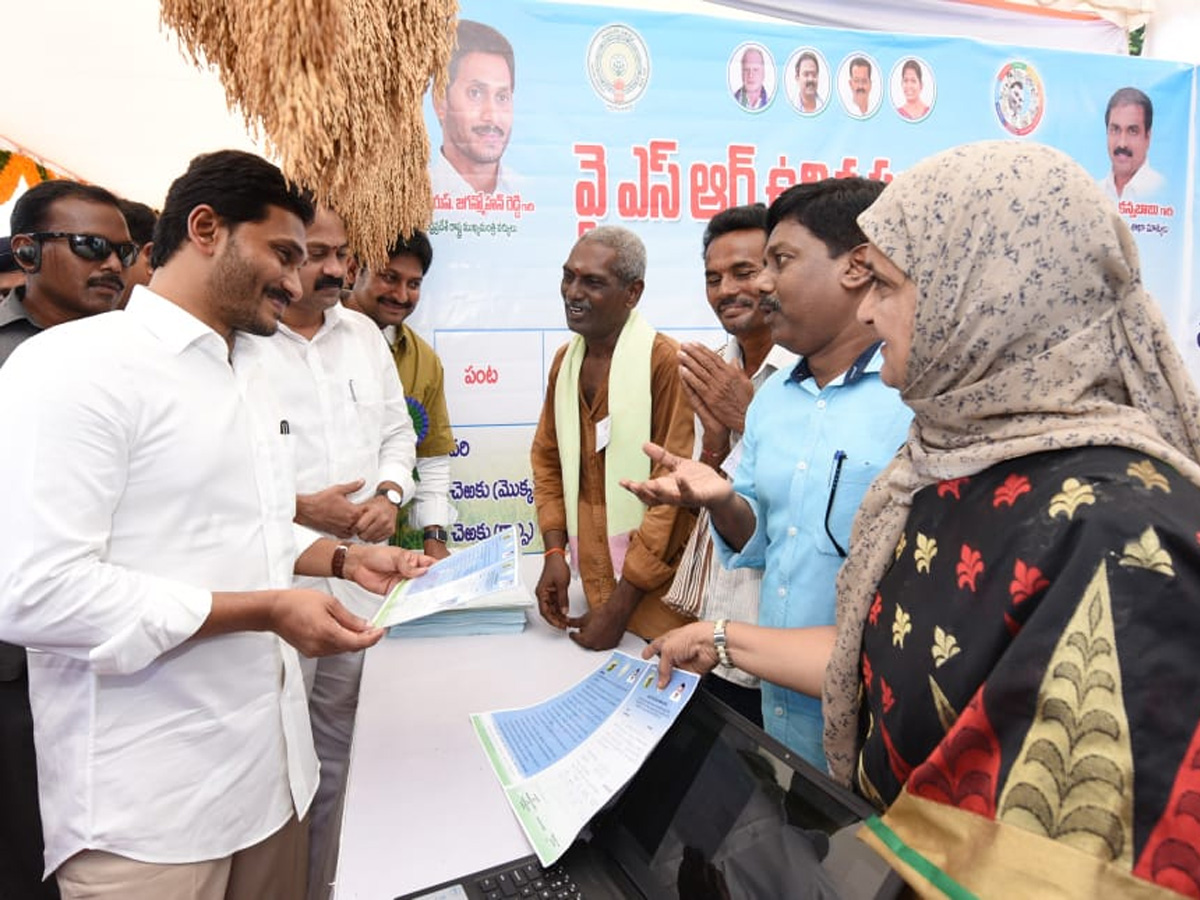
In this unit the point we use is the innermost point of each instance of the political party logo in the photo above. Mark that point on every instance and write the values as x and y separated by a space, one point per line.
618 66
1020 99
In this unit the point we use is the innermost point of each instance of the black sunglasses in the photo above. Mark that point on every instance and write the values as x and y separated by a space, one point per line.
92 247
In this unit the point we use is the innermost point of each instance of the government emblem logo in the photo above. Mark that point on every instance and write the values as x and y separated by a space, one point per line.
618 66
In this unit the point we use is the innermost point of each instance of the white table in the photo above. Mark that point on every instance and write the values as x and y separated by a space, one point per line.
422 804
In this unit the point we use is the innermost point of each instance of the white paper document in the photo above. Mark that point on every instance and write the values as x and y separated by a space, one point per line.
562 760
482 575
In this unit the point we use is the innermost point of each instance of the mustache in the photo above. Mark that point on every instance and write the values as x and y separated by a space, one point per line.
328 281
278 293
736 301
769 304
482 130
1122 151
108 281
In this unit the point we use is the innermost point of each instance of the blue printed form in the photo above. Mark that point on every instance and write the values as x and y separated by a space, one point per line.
562 760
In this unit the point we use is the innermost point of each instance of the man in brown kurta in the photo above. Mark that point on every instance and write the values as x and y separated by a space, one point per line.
602 283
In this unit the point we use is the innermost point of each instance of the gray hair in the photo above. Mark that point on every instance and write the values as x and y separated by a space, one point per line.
630 262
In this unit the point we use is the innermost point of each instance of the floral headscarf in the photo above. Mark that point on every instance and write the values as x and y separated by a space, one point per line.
1032 332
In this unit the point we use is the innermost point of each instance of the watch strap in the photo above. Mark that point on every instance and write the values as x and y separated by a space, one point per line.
719 641
338 566
436 533
387 492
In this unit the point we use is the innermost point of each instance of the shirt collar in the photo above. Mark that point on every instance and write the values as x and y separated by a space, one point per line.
333 318
867 362
777 357
177 328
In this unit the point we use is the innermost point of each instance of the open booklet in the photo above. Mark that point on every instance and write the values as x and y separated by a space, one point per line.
562 760
485 575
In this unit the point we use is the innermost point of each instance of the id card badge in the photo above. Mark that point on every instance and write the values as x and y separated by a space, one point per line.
603 433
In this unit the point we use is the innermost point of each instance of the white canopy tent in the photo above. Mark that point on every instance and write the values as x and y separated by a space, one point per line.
1039 25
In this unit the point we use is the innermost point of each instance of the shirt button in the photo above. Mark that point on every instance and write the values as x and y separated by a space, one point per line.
783 592
820 404
779 710
802 466
792 531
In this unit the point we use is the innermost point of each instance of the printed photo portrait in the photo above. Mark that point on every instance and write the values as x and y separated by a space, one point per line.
807 81
751 77
912 89
859 85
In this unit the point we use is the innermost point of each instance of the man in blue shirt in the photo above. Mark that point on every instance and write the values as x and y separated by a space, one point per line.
816 436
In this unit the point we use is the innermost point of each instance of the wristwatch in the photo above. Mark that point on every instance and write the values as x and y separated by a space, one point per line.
436 533
394 497
719 642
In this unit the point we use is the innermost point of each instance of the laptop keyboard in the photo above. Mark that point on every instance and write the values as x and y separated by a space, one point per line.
530 880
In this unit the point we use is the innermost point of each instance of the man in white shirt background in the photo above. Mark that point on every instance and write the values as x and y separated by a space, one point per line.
355 449
149 552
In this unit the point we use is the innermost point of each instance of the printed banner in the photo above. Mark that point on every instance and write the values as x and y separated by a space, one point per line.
657 121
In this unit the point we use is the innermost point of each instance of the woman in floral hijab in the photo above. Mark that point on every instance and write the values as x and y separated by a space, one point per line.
1014 674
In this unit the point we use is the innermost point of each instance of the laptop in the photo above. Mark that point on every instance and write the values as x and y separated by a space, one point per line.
719 810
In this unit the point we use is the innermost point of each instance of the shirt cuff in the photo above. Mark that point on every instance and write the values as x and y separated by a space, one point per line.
399 475
753 554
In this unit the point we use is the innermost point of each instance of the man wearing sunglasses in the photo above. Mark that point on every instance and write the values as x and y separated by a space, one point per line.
72 245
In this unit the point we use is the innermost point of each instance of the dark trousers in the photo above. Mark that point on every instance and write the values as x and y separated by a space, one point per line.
21 859
743 700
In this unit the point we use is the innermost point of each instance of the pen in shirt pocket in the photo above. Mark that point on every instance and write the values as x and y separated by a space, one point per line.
353 395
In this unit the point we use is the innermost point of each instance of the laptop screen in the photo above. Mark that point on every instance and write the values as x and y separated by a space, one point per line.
721 810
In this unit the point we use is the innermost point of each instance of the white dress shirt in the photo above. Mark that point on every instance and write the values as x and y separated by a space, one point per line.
346 413
445 179
1146 184
141 476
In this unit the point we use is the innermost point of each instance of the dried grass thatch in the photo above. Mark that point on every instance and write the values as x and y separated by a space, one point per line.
335 87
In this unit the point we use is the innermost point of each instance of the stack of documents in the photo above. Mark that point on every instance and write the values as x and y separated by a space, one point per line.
477 590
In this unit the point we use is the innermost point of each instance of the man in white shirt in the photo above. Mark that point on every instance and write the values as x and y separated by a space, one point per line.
720 386
149 551
355 449
1128 120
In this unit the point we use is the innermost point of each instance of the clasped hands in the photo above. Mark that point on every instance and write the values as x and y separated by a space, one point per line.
332 511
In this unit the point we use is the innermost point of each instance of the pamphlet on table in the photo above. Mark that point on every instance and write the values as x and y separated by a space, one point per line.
562 760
